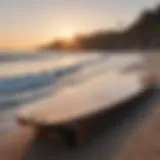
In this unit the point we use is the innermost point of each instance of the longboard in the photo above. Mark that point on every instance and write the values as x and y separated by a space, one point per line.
64 112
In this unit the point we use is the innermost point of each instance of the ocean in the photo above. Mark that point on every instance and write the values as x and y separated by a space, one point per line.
29 77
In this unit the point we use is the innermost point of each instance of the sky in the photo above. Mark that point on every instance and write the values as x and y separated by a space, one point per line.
26 24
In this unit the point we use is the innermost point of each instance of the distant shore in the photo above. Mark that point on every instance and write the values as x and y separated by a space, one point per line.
142 34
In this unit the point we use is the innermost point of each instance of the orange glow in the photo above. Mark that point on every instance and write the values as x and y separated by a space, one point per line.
28 42
67 43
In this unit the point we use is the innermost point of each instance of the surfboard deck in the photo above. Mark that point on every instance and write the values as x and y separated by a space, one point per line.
66 113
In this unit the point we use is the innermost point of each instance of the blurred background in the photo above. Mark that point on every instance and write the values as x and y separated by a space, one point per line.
47 46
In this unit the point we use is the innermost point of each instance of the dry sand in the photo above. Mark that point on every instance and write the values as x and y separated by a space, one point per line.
140 144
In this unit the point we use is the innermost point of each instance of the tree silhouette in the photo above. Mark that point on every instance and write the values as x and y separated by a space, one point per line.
144 33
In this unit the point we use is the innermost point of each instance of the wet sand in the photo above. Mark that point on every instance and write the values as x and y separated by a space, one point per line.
144 144
13 145
134 136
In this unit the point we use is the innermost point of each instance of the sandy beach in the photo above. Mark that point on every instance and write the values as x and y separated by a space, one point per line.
13 145
144 143
134 137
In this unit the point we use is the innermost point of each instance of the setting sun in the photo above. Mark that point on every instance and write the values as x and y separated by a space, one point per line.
68 38
68 34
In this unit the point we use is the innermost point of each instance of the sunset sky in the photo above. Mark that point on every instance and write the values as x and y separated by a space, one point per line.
28 23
